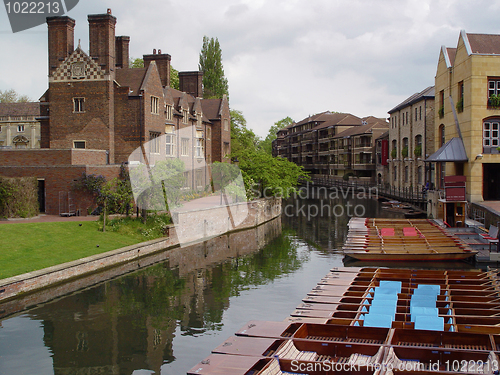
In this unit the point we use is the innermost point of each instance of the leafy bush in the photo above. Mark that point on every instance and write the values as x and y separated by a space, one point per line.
18 197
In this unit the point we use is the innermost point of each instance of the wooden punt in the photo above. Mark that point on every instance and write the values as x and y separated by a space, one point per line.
329 326
402 240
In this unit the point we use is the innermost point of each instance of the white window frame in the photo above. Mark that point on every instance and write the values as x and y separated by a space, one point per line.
20 128
78 105
154 142
491 133
184 146
155 105
78 141
169 112
170 140
199 146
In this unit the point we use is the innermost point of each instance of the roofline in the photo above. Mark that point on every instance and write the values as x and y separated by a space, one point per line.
444 50
413 101
465 38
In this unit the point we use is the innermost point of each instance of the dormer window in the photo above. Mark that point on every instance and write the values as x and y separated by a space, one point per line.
185 116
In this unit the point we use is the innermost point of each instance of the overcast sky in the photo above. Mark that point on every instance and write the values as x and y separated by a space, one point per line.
281 57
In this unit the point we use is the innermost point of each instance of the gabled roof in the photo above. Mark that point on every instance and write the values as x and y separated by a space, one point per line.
212 108
20 109
453 150
132 77
484 43
327 119
427 93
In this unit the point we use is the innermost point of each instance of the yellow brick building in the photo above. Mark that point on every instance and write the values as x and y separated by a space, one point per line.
467 103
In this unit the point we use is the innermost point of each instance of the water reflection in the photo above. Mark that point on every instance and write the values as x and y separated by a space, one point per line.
165 318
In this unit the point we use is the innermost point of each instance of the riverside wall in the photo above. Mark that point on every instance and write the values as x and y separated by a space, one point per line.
259 212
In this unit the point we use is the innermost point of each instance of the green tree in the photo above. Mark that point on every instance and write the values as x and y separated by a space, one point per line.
242 138
214 82
267 144
11 96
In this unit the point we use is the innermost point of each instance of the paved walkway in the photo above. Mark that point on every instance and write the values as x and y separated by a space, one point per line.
48 219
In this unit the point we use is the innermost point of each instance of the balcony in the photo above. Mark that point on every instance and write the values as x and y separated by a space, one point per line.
490 150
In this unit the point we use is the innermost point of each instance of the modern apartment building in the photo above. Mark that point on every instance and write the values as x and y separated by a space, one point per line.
332 145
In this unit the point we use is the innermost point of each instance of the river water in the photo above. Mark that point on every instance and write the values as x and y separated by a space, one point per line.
165 318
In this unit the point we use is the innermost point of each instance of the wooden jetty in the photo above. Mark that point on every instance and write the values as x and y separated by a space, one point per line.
440 322
388 240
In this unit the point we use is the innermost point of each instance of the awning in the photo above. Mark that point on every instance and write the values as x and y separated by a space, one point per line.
451 151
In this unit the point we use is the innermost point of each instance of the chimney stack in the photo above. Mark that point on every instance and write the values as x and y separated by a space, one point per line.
191 83
102 40
162 63
61 40
122 51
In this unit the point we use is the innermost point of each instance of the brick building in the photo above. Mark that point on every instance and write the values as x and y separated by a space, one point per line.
332 144
96 101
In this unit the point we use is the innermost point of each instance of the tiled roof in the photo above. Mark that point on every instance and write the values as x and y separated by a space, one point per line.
20 109
362 129
451 54
132 78
211 108
484 43
426 93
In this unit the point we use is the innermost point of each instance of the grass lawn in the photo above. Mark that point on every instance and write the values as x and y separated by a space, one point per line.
32 246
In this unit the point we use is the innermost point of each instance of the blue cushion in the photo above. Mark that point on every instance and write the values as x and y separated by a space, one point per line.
427 289
382 310
378 320
418 310
390 284
430 323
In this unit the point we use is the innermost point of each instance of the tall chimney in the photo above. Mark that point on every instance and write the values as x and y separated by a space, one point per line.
102 40
191 83
122 51
61 40
162 63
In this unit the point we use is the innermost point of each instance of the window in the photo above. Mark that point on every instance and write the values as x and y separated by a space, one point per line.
154 105
490 133
169 112
78 105
493 87
420 115
154 142
169 140
441 104
441 135
185 147
395 173
416 114
199 178
20 128
226 149
185 116
186 181
226 124
198 148
209 133
406 173
420 175
78 144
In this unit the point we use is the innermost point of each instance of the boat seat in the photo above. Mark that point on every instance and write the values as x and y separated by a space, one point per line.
378 320
391 284
492 233
289 351
428 311
428 289
429 323
273 368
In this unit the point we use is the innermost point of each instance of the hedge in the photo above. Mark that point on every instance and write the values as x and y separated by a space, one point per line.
18 197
